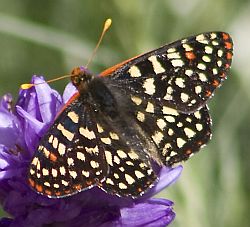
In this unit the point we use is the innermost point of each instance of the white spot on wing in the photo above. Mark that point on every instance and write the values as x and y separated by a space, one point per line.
121 154
87 133
184 97
208 49
199 127
150 108
180 142
177 63
122 186
201 66
139 174
189 72
161 124
169 111
73 116
134 71
140 116
106 140
129 179
108 156
157 137
73 174
189 132
80 156
180 82
69 135
149 86
61 149
136 100
202 77
173 55
156 65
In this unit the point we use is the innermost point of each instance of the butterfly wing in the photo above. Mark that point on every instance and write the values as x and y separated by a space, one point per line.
182 75
70 157
130 171
176 135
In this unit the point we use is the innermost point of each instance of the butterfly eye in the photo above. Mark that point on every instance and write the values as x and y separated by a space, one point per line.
76 80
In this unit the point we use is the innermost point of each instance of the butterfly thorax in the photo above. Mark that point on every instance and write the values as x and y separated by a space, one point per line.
80 78
94 90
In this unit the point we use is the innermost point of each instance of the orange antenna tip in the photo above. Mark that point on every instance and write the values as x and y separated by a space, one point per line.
107 24
26 86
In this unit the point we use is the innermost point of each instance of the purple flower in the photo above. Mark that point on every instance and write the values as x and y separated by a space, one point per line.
20 132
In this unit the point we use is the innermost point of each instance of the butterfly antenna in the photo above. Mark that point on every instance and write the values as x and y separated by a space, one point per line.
106 26
28 86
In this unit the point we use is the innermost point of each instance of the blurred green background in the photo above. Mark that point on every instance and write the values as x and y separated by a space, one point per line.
51 37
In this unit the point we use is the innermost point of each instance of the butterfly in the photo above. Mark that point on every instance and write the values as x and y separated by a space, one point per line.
147 111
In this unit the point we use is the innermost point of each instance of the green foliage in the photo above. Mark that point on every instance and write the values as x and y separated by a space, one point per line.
51 37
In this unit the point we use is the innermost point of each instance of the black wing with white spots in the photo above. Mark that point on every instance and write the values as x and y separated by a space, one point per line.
130 170
147 111
71 156
182 75
177 135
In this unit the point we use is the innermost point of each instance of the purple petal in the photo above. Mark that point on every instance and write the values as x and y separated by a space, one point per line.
36 125
5 102
8 129
154 212
5 222
48 100
168 176
69 91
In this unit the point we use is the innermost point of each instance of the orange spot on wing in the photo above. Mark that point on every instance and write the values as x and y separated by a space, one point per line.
190 55
229 56
216 83
225 36
199 143
89 183
188 152
208 93
47 192
78 187
32 183
52 157
58 193
139 189
223 75
39 188
66 192
227 66
228 45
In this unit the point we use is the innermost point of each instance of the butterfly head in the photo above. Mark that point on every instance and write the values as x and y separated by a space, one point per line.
80 77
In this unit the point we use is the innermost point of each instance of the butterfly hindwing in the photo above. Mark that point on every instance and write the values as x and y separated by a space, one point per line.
182 75
177 135
70 157
130 170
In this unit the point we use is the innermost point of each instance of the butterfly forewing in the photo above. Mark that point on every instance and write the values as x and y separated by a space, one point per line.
182 75
70 157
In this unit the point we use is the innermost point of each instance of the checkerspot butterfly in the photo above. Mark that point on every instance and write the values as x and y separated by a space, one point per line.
146 111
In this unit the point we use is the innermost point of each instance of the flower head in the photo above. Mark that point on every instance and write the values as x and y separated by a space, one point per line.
20 132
